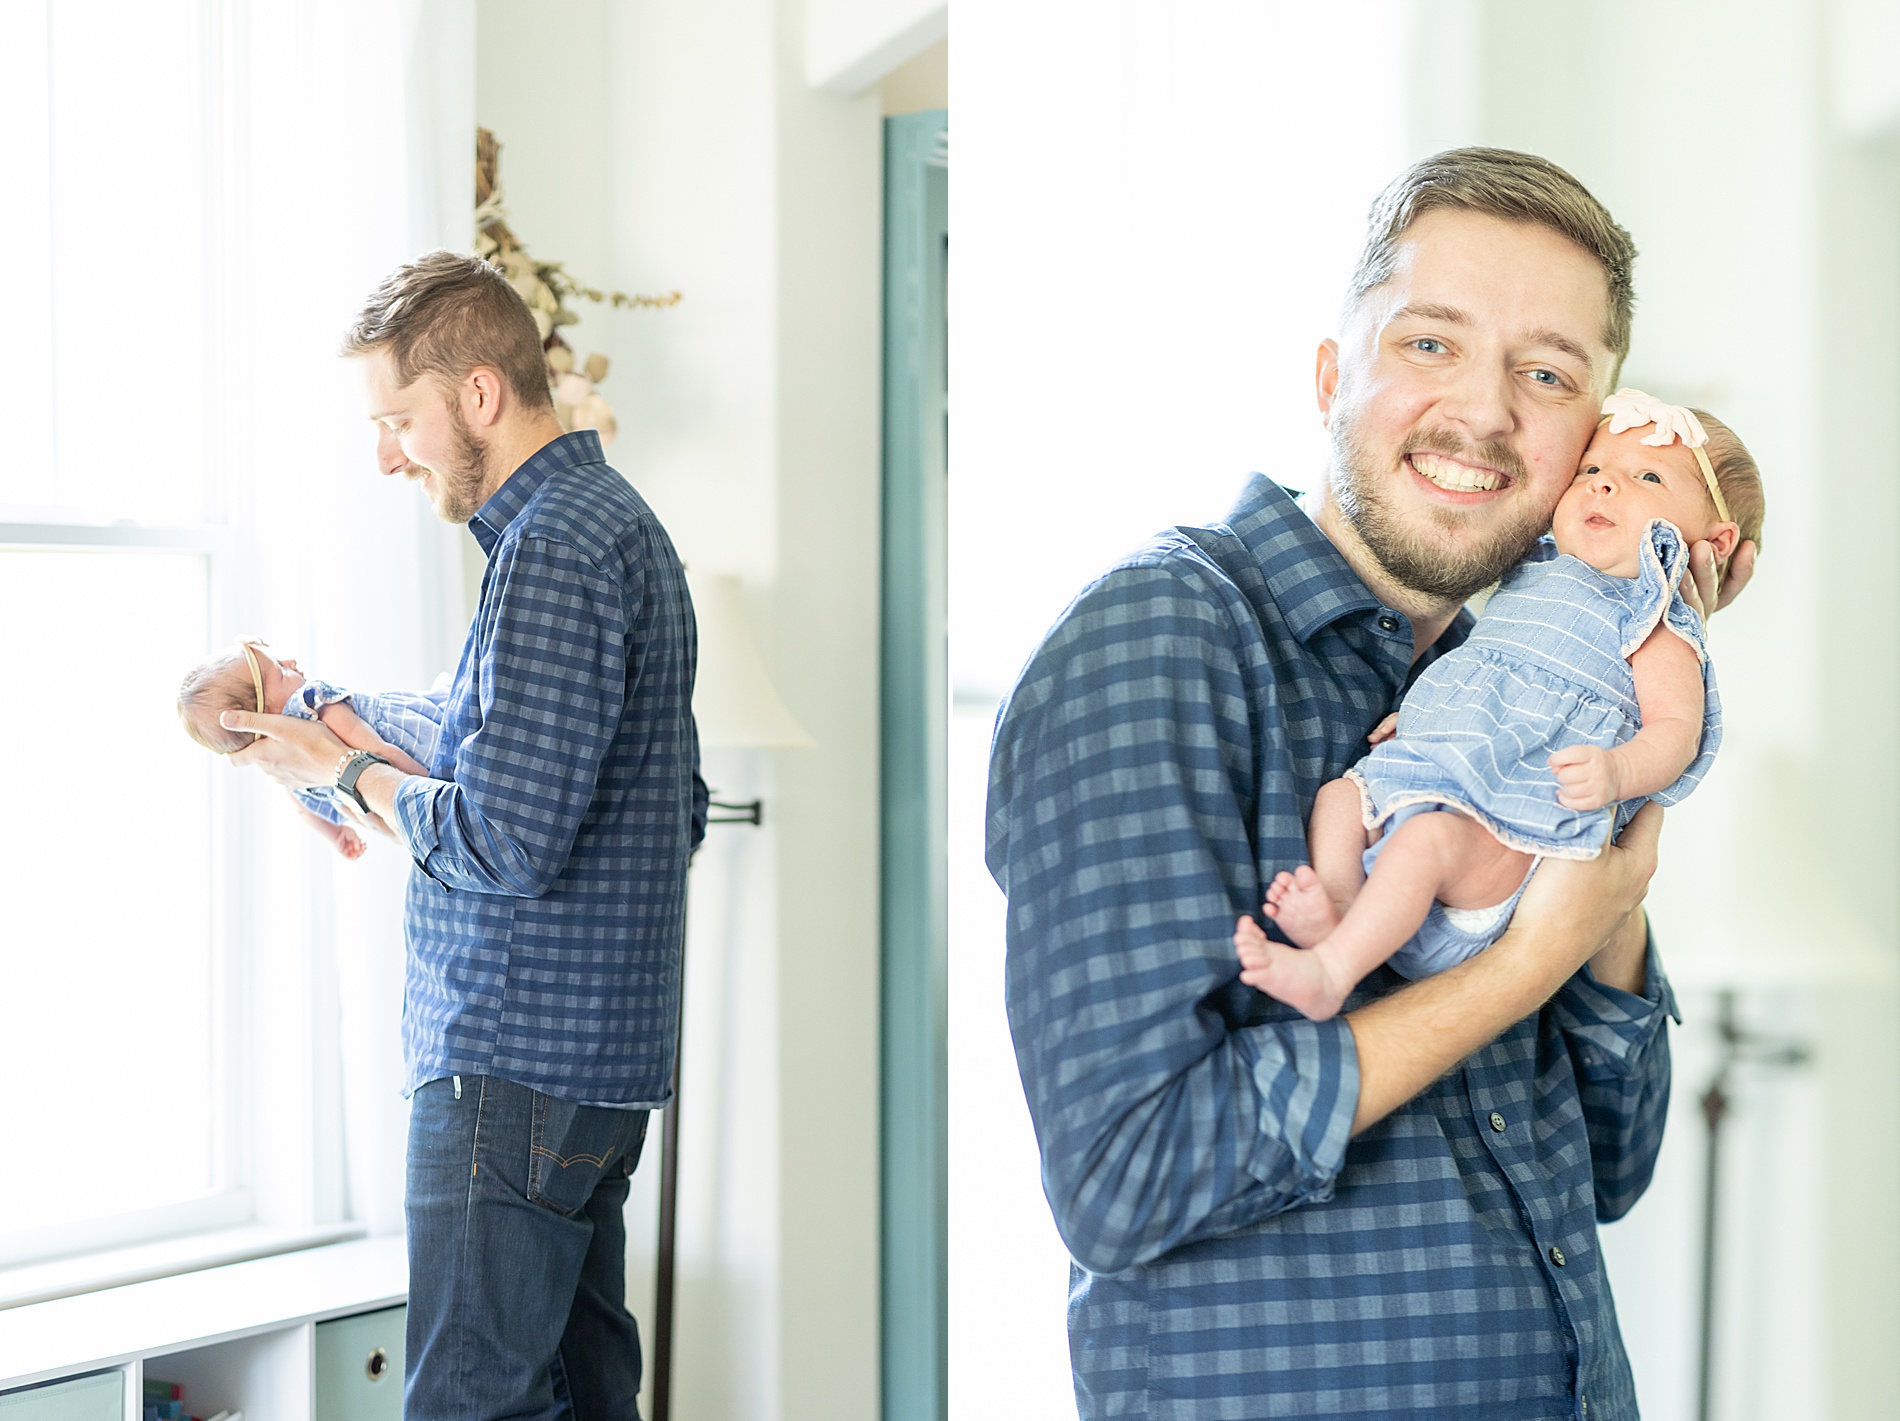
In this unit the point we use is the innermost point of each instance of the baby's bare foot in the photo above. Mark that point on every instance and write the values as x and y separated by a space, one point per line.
1301 977
1298 903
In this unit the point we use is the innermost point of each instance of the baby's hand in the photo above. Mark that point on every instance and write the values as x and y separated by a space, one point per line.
1384 730
1587 777
342 837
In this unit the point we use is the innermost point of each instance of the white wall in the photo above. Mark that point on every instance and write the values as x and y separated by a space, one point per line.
654 146
851 44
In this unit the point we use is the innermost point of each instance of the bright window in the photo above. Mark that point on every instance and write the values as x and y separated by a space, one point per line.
116 1042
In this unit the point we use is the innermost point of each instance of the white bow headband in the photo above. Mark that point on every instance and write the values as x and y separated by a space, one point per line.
1632 409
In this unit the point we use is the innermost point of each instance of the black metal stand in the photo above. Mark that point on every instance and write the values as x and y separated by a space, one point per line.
1738 1046
750 812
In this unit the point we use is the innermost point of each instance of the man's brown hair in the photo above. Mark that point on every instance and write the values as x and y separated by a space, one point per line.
444 314
1517 187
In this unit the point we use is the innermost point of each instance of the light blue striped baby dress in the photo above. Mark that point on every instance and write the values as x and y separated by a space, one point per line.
1546 666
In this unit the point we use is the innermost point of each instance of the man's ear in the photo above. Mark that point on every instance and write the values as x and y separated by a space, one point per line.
481 396
1326 378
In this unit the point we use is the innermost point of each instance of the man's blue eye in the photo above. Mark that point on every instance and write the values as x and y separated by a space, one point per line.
1544 377
1428 345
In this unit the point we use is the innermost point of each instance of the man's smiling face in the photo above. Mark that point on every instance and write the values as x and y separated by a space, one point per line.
1461 394
422 434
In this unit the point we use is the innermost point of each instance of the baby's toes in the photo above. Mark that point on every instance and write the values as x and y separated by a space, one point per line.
1304 877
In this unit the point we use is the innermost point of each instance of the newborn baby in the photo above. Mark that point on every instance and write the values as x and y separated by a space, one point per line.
400 726
1583 690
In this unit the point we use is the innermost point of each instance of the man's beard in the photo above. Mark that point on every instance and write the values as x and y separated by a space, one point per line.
460 484
1428 557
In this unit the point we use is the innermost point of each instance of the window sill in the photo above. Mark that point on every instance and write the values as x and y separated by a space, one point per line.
114 1326
115 1268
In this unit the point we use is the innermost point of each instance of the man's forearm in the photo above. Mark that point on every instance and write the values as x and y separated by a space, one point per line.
1624 959
378 785
1572 913
1411 1038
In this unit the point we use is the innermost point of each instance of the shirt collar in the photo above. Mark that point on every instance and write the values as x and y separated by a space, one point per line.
491 520
1312 583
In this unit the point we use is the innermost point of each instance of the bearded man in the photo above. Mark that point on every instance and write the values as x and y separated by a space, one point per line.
1393 1212
550 840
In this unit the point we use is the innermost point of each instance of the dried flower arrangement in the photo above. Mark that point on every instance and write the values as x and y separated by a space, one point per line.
547 288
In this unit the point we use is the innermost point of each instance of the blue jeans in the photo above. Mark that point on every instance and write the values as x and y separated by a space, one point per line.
517 1256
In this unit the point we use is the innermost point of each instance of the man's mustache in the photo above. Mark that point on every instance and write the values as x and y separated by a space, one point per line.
1490 454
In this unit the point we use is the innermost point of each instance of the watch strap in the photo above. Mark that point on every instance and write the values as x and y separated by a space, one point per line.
351 770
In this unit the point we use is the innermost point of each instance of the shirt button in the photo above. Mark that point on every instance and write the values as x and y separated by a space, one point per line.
1556 1255
1497 1122
1388 623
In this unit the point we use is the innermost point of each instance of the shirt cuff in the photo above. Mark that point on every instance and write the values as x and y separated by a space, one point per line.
1611 1027
415 816
1306 1077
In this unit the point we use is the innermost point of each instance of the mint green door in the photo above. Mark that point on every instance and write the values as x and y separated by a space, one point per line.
915 727
359 1367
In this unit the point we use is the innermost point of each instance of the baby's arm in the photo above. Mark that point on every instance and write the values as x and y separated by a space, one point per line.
341 837
1669 695
349 727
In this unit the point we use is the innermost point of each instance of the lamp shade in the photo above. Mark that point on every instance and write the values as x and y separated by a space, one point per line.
734 701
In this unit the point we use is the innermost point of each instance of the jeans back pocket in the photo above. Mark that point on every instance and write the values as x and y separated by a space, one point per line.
574 1147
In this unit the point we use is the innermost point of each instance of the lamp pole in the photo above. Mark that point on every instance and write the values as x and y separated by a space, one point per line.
1738 1045
750 812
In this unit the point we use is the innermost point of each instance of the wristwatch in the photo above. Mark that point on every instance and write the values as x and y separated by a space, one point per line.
350 771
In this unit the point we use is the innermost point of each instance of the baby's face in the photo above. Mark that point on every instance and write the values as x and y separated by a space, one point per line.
1621 484
281 677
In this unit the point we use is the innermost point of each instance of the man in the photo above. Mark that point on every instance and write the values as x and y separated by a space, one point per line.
1393 1212
550 839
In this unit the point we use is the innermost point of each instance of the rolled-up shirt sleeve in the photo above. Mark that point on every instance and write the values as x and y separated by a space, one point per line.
1118 829
552 685
1619 1049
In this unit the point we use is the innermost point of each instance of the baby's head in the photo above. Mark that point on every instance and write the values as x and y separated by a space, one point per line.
1622 482
229 682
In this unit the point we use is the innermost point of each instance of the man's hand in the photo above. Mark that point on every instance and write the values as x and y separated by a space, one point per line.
1573 911
1571 914
1587 777
1699 589
297 754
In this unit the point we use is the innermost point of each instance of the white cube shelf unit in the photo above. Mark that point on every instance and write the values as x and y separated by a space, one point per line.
241 1337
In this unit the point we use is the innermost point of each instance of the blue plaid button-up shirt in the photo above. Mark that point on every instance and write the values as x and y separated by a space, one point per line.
1239 1254
551 838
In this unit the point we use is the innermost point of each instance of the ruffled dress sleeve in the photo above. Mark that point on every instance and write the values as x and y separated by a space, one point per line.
1656 597
303 704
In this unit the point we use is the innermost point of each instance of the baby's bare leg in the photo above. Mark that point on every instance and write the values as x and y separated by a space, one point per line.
1308 903
1448 857
1336 838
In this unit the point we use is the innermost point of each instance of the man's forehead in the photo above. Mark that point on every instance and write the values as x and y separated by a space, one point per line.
384 395
1520 279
